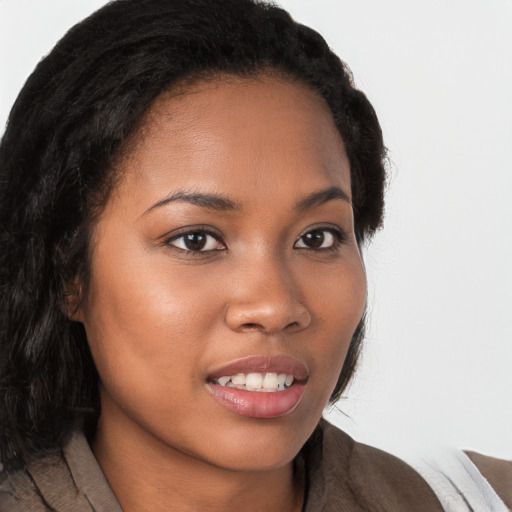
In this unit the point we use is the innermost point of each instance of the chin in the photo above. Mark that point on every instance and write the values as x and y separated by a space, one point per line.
260 444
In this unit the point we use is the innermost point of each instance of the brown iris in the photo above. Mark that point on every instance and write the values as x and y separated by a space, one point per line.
314 239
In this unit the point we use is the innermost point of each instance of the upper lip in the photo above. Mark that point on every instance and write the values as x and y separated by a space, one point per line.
263 364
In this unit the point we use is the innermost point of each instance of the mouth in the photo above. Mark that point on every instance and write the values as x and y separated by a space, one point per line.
269 382
260 386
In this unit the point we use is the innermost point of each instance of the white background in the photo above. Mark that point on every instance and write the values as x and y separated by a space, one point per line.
437 362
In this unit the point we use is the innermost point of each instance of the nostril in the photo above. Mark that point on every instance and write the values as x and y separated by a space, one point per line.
251 326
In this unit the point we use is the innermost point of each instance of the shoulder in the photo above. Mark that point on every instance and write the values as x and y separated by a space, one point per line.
35 487
359 477
17 493
44 485
345 474
497 472
69 479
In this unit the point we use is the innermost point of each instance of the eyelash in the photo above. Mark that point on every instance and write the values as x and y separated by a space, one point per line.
338 238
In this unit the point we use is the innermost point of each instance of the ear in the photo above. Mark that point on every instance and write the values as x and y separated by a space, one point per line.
72 306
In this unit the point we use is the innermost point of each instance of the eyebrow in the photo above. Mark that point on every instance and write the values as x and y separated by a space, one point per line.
220 203
209 201
321 197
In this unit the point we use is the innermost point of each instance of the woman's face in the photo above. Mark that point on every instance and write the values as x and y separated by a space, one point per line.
225 255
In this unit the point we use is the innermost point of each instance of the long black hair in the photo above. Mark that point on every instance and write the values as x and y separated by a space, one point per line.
67 127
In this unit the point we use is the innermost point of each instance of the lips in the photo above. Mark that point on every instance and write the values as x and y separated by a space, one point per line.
260 386
263 364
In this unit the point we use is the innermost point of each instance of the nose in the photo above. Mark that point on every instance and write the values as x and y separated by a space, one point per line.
266 299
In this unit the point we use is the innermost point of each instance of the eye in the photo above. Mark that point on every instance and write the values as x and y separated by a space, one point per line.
318 239
196 241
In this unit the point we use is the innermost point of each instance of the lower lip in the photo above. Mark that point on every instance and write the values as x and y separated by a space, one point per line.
259 404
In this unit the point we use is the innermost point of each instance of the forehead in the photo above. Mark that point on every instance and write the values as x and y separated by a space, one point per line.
240 135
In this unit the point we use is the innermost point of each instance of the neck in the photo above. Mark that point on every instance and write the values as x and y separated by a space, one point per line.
147 476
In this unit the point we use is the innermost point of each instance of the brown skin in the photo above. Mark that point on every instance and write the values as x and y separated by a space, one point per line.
160 319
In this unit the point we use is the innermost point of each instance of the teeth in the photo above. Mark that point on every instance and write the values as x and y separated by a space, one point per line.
257 381
270 381
254 381
224 380
238 380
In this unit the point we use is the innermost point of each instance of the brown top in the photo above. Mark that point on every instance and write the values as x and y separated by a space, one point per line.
344 475
71 481
340 475
497 472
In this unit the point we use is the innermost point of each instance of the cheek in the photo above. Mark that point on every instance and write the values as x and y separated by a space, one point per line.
146 339
338 292
339 306
145 324
139 292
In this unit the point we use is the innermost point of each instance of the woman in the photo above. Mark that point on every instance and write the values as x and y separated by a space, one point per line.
186 186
